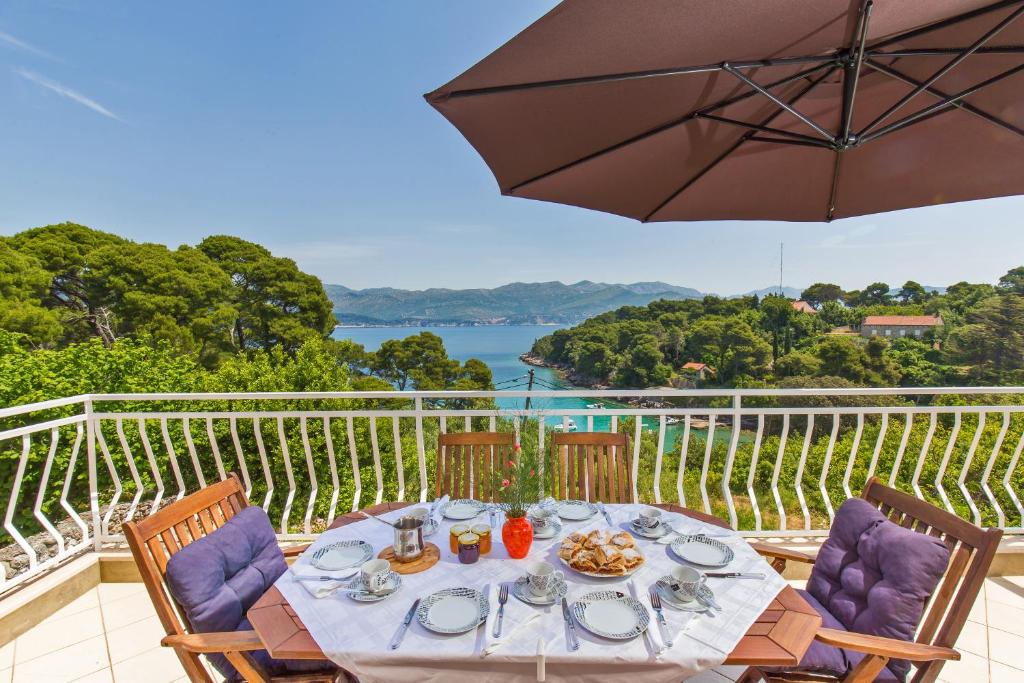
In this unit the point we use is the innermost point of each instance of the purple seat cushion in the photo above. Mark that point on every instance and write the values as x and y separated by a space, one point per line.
217 578
874 577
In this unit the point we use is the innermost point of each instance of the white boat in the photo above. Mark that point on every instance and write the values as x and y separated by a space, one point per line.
561 426
595 406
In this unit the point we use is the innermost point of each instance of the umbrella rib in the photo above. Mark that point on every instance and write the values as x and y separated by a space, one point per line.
629 76
939 51
732 148
939 107
967 16
935 92
803 117
665 126
762 129
949 66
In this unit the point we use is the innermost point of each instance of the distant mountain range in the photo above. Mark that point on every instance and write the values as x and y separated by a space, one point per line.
512 304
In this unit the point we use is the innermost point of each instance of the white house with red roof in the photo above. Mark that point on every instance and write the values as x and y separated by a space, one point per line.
893 326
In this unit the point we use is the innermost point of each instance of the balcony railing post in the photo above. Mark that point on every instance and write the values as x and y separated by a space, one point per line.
90 451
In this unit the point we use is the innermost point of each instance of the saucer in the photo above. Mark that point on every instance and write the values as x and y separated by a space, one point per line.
521 589
685 605
552 529
654 532
394 582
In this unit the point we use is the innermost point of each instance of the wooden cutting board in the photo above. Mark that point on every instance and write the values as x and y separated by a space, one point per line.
431 555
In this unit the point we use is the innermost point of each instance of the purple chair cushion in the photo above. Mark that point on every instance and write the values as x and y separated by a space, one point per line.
217 578
874 576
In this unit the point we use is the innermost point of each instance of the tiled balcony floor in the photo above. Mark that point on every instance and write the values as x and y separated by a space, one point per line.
112 634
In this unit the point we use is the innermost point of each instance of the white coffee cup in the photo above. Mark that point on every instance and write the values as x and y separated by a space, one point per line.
687 582
375 575
542 577
649 518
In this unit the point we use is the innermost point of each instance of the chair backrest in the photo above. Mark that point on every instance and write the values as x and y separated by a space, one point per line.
156 538
971 549
469 464
594 466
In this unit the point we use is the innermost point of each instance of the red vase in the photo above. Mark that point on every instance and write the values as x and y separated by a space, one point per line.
517 535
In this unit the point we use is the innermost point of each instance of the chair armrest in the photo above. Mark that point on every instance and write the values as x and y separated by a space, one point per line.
224 641
885 647
295 550
780 555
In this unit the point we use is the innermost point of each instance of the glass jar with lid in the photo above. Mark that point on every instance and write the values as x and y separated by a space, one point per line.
484 532
453 536
469 548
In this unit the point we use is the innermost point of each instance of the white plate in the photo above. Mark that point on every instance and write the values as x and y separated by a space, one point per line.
656 532
576 510
702 550
394 582
462 508
342 555
611 615
521 590
453 610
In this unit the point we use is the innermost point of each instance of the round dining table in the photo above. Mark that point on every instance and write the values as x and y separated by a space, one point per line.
779 637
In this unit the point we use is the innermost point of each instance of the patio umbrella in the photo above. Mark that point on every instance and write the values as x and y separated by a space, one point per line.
675 110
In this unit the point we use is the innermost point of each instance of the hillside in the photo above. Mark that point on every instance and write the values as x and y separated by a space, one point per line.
518 302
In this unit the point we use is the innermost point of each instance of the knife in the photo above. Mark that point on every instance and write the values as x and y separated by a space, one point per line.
574 643
735 575
397 640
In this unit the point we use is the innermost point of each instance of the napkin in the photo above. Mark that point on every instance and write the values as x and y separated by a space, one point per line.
305 575
516 624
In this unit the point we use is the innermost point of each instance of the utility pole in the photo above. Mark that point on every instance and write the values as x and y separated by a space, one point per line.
529 387
780 270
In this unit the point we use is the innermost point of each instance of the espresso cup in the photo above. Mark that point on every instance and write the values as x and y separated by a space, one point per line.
375 575
541 520
687 581
542 577
649 518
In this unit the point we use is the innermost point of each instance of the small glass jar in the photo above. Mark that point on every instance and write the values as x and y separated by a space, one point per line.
453 536
484 532
469 548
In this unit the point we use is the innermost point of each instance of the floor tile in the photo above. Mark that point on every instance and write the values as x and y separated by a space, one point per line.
979 612
86 601
1008 590
973 639
66 664
1006 617
125 609
134 639
116 591
1006 674
730 673
157 665
101 676
55 634
5 675
1006 648
971 667
7 656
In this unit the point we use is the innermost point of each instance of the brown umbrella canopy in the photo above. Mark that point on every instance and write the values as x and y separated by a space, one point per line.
799 110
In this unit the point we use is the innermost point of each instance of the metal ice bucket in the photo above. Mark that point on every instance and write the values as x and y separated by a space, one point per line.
408 538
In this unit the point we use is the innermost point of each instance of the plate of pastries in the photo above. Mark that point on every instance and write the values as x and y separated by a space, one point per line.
601 553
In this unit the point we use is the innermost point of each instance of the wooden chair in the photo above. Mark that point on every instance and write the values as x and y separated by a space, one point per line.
155 539
971 553
594 466
469 464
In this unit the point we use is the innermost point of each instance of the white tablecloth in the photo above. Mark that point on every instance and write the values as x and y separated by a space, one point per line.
356 635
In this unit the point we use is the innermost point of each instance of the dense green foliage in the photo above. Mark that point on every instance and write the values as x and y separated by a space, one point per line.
766 342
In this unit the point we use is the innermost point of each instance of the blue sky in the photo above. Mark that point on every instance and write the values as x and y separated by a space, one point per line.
302 126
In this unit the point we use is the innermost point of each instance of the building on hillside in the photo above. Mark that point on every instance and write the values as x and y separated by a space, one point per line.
843 330
803 307
699 371
893 326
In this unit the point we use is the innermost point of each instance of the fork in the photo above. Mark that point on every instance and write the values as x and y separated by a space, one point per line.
502 599
652 593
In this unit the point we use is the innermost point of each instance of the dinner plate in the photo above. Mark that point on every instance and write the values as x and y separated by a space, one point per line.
391 587
646 532
702 550
521 590
342 555
453 610
576 510
611 614
682 605
462 508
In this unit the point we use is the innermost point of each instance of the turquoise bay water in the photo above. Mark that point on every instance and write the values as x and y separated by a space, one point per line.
500 347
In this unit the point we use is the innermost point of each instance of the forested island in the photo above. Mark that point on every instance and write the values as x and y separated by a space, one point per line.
816 342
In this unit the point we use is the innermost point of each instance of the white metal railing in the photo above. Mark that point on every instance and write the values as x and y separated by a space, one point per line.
772 462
